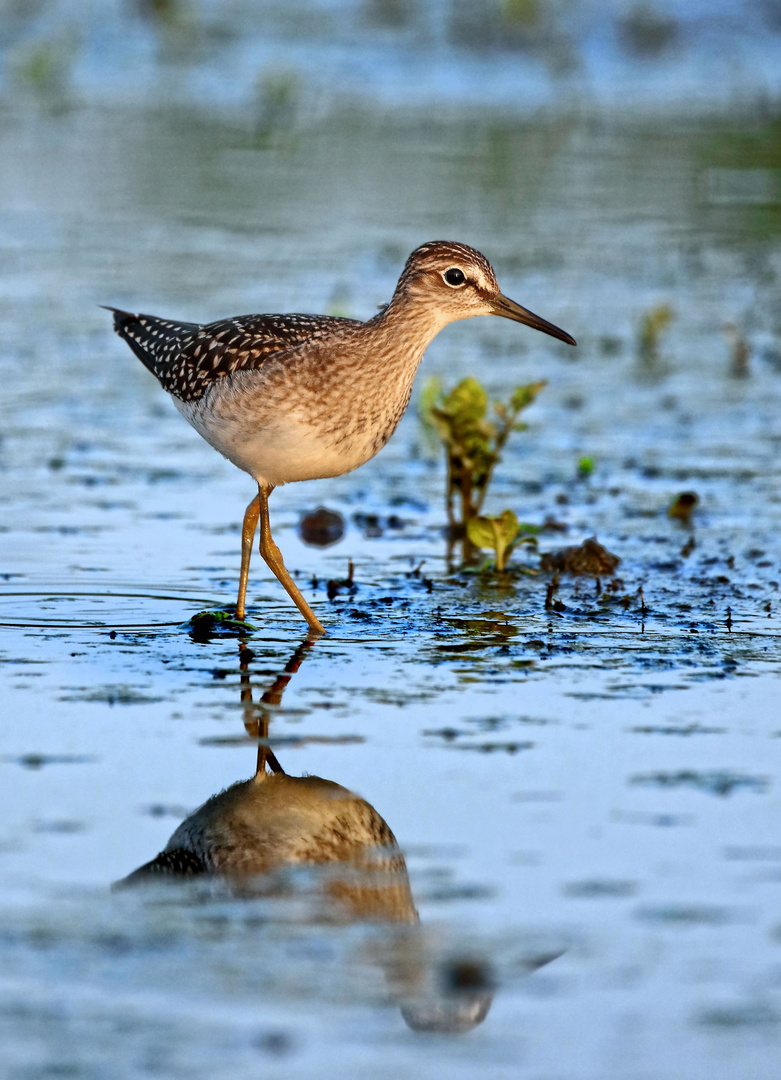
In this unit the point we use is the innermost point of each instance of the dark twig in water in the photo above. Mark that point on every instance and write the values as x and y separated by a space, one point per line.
334 586
643 608
551 603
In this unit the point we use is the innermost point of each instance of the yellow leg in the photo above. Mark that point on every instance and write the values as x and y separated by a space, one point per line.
273 559
251 515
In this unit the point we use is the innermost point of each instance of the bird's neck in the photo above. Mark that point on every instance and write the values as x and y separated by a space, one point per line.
408 326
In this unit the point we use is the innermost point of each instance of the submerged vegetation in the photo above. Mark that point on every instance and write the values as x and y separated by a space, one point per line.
205 625
653 324
473 439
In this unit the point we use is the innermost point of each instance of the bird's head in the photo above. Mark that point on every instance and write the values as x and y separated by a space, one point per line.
457 282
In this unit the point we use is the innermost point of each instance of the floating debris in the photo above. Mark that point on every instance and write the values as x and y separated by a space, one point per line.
653 324
374 525
37 761
717 782
749 1015
676 729
647 32
683 505
739 352
599 889
687 914
59 826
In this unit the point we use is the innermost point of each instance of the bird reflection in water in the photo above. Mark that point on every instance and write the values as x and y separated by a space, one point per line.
249 834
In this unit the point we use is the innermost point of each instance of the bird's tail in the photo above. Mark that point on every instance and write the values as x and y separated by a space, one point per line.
121 318
155 341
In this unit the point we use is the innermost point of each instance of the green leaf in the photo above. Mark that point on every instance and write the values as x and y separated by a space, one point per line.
481 532
466 401
525 395
521 538
496 533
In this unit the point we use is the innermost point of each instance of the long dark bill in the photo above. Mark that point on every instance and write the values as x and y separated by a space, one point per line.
508 309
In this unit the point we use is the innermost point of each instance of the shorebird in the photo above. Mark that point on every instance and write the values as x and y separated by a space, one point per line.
304 397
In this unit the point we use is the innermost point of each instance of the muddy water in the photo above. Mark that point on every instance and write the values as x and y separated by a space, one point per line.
587 796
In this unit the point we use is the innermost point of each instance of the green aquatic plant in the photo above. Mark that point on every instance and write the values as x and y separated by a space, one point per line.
473 442
278 99
501 534
652 325
43 67
526 13
205 625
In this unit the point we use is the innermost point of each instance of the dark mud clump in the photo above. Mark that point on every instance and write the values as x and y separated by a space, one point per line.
590 557
321 527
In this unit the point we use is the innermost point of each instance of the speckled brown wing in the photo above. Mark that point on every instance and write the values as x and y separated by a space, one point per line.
187 358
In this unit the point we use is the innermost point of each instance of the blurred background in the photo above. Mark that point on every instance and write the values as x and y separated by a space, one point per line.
200 159
211 157
615 810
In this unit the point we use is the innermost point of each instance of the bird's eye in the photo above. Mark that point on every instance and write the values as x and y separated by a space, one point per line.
454 277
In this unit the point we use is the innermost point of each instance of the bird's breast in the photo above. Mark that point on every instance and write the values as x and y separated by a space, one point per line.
304 421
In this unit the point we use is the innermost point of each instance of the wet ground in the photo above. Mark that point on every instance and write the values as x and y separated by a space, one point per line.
586 792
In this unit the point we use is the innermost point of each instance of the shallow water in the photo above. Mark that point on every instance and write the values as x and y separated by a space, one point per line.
587 798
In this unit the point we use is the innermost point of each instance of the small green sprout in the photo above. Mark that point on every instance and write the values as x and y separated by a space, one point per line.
586 466
503 534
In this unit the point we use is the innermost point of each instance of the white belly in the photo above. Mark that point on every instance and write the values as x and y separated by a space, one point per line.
276 450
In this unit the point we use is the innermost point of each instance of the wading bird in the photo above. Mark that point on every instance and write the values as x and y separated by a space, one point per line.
303 397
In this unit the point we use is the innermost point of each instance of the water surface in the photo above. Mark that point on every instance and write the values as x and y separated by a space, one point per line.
587 798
